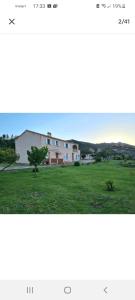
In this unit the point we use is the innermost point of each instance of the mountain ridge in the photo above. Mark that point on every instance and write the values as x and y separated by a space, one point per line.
119 147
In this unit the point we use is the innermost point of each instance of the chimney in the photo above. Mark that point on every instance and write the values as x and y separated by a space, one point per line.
49 133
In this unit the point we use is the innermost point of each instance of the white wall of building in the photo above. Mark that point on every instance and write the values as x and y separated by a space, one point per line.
28 139
24 143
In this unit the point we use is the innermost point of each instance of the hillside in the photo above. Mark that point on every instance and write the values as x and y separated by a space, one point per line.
115 147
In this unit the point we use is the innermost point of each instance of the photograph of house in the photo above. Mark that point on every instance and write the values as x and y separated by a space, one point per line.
84 164
59 151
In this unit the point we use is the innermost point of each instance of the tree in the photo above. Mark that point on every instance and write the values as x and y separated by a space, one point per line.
36 156
104 154
7 142
8 157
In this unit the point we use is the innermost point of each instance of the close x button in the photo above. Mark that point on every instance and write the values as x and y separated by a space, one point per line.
11 21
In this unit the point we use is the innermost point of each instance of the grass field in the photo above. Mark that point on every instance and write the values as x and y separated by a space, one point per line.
69 190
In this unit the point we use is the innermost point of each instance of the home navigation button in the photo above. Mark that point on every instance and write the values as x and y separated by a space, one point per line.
67 290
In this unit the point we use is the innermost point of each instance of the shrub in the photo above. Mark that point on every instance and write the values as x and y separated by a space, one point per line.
76 163
98 159
129 164
110 185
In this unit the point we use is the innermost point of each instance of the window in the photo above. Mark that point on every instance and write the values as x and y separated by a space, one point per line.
57 155
53 142
74 148
66 145
66 156
48 142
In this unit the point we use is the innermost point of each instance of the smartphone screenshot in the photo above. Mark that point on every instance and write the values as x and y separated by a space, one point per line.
67 149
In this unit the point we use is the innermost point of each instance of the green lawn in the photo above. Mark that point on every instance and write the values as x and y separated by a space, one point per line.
69 190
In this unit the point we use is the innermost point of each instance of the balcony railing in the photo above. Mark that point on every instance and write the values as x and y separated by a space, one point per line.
56 161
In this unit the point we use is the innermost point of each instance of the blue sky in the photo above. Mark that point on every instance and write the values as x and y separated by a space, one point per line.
91 127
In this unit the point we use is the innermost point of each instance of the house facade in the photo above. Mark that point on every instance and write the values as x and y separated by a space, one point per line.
59 151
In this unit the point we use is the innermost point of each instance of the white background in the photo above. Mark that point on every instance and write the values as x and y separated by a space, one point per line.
67 247
73 73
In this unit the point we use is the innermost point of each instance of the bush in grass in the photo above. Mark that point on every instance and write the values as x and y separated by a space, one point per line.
98 159
129 164
76 163
110 185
